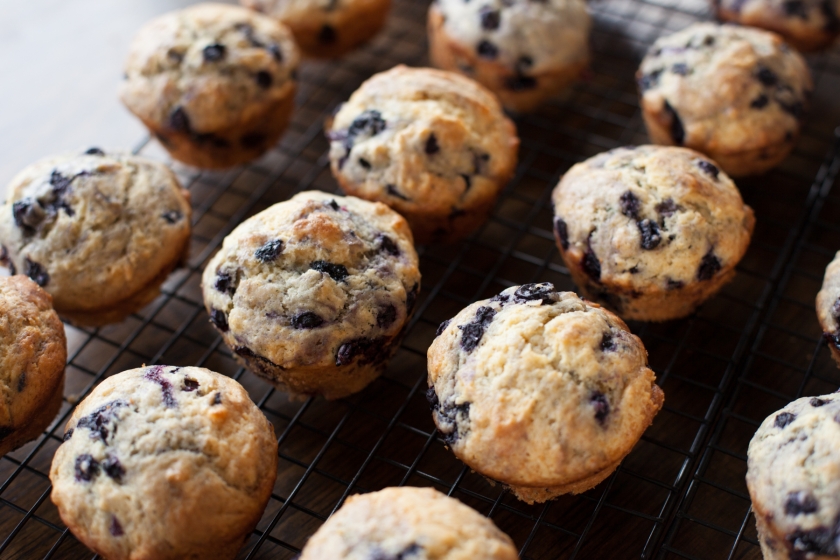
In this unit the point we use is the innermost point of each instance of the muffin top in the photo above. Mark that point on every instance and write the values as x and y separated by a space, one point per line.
417 137
299 11
314 281
207 68
32 351
794 475
651 217
728 88
94 229
532 37
159 457
408 524
804 20
539 388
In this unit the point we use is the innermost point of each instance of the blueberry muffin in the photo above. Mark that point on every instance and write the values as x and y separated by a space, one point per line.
828 307
433 145
526 52
99 232
650 231
793 478
408 524
808 25
214 83
33 351
540 390
734 93
327 28
313 293
166 463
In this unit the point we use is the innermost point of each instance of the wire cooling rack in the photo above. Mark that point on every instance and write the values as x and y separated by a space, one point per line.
679 494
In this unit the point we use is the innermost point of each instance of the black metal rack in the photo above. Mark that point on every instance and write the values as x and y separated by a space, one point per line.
679 494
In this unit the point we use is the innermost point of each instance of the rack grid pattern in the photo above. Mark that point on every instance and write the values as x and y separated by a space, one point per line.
679 494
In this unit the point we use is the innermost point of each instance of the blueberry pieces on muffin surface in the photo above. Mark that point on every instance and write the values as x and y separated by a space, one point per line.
327 28
540 390
650 231
734 93
408 524
313 294
525 52
167 463
433 145
828 307
793 479
98 231
33 350
214 83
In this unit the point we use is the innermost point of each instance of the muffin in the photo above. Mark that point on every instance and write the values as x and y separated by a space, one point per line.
33 351
327 28
793 478
313 294
214 83
828 307
808 25
99 232
525 52
734 93
408 524
433 145
167 463
650 231
540 390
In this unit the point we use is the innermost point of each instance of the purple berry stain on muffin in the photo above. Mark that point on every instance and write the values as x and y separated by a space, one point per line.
337 272
327 35
709 266
172 217
454 417
432 146
102 421
442 327
388 245
86 467
112 467
601 405
36 272
386 316
116 529
607 343
269 251
783 419
490 18
307 320
708 168
486 49
667 207
473 331
219 319
155 375
264 79
562 231
798 503
179 121
365 350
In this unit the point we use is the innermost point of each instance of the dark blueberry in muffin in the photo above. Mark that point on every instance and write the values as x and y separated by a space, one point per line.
562 232
766 76
442 327
213 53
680 68
269 251
490 18
486 49
677 130
369 122
28 214
264 79
36 272
388 245
115 528
629 204
667 207
86 467
432 144
798 503
307 320
172 217
591 265
218 318
337 272
783 419
275 51
327 35
179 121
709 168
190 385
225 283
607 342
68 434
455 417
818 541
795 8
411 298
102 421
364 349
364 163
530 292
599 402
113 468
94 151
155 375
253 140
392 190
386 316
647 81
709 266
816 403
520 82
759 102
473 331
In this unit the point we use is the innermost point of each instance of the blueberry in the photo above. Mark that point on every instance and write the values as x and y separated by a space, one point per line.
467 182
68 434
334 205
667 207
154 374
179 121
795 8
327 35
442 327
364 163
337 272
671 284
599 402
59 182
530 292
28 214
307 320
486 49
368 123
820 540
116 529
388 245
816 403
651 237
490 19
86 467
452 419
21 384
783 419
590 264
607 342
173 216
523 64
102 421
225 283
364 350
392 190
94 152
253 140
217 398
709 168
759 102
680 68
213 53
386 316
113 468
766 76
432 144
190 385
473 331
36 272
801 502
264 79
269 250
630 205
275 51
411 298
562 232
520 82
647 81
677 130
709 266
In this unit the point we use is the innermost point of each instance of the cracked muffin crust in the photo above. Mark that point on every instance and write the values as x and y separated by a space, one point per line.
33 350
163 463
734 93
808 25
433 145
408 524
214 83
313 293
793 478
650 231
540 390
525 52
828 307
99 232
327 28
